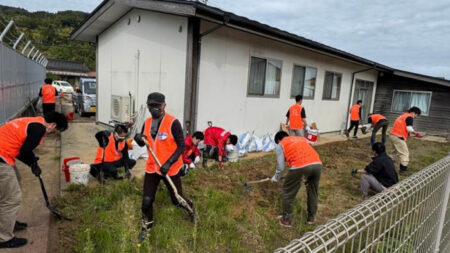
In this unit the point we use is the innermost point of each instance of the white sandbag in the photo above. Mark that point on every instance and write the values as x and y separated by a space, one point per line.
258 142
232 153
137 152
244 140
268 143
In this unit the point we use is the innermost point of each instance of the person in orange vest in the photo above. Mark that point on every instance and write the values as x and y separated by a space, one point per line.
216 140
402 128
377 121
48 94
112 154
165 135
355 118
18 139
304 162
296 118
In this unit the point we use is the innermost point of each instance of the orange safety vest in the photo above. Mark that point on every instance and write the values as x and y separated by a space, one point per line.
111 153
298 152
376 118
399 127
163 146
354 113
295 117
12 136
48 94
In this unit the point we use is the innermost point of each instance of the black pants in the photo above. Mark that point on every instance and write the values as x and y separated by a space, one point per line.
110 168
354 123
46 108
151 182
383 124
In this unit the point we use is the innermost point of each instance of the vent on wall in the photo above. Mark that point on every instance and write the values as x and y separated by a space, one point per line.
120 108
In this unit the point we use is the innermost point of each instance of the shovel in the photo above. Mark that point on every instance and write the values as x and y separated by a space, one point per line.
180 199
248 187
47 203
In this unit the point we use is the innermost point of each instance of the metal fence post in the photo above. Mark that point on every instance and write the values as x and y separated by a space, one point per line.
442 214
18 41
2 35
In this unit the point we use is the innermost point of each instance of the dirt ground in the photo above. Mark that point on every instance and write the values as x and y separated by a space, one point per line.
33 209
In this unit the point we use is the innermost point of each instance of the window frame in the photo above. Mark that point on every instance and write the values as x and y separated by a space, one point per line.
412 91
325 79
265 73
303 91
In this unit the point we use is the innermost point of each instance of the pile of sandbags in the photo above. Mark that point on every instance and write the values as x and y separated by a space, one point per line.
249 142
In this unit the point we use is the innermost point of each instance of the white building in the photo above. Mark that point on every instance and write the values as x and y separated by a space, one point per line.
246 75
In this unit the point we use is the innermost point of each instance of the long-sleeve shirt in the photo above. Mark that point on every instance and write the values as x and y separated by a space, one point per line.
177 133
281 161
189 150
35 132
383 169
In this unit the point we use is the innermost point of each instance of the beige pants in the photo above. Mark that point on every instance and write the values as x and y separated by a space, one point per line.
401 148
10 198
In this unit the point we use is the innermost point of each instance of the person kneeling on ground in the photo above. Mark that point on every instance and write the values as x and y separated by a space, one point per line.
18 139
112 154
191 154
216 139
304 162
380 174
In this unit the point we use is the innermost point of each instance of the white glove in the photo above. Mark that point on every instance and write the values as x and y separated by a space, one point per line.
307 128
192 166
274 179
197 159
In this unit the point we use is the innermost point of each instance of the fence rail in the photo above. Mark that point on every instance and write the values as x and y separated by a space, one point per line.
413 216
20 75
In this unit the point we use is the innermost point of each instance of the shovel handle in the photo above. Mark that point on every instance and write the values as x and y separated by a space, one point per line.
259 181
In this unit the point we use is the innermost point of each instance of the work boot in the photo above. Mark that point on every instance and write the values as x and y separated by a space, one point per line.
14 243
311 220
146 226
404 170
346 133
20 226
205 160
355 137
284 222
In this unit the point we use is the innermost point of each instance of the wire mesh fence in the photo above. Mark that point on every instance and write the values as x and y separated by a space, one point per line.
412 216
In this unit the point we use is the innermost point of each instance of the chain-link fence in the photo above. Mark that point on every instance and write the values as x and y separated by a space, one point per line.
21 74
413 216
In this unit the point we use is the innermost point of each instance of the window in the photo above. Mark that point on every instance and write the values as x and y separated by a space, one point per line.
332 85
264 77
303 81
403 100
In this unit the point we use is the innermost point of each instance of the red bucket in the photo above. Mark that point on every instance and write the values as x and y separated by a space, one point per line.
70 116
66 164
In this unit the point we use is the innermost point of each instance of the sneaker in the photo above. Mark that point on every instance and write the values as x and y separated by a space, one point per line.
14 243
20 226
311 220
355 137
284 222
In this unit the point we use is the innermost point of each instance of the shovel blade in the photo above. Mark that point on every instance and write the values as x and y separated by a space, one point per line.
247 187
58 214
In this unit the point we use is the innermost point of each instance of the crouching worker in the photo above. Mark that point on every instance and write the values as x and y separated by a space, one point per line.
377 121
18 139
191 154
379 174
304 163
112 154
216 139
164 134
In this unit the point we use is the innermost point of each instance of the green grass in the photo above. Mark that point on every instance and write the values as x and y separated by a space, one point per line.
107 218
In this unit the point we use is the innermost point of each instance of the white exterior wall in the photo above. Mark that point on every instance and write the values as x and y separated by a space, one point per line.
142 58
224 70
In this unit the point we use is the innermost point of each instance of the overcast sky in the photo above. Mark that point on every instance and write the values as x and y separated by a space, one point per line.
412 35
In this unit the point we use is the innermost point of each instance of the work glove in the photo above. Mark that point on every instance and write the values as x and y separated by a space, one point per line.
35 169
354 172
307 128
419 134
165 168
221 164
275 178
197 159
138 139
192 166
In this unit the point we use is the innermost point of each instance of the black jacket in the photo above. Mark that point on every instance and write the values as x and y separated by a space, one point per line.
383 169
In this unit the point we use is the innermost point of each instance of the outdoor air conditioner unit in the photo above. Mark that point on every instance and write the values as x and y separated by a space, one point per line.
120 108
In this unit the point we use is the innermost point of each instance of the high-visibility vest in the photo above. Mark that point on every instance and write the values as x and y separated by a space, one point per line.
295 117
399 128
298 152
111 153
12 136
376 117
48 94
163 146
354 112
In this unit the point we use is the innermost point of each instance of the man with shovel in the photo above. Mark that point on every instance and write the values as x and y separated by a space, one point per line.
164 136
304 162
18 139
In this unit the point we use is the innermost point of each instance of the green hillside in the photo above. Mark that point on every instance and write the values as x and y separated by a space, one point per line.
50 33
